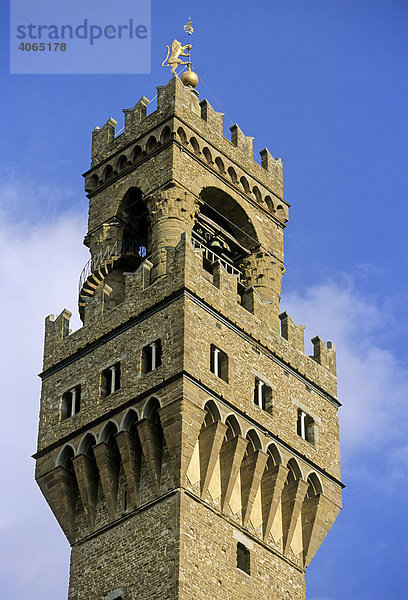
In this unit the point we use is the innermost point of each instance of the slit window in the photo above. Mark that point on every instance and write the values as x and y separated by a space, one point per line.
151 356
219 363
110 380
243 558
263 395
306 426
70 403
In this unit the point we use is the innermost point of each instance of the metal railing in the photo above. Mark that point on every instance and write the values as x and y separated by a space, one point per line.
110 252
213 258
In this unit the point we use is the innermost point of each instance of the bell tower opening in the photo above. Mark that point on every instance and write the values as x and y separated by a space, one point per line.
133 216
223 230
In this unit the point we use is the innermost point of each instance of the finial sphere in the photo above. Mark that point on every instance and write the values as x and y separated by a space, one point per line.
189 78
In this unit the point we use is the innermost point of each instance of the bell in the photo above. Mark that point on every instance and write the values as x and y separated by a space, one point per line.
216 243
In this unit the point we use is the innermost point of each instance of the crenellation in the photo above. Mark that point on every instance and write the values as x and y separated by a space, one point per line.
324 355
219 290
213 118
102 137
134 115
56 329
176 100
295 334
242 141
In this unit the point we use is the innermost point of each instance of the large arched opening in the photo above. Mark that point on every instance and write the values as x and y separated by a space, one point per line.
223 230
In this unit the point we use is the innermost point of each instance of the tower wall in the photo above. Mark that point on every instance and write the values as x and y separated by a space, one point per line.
185 437
116 558
210 563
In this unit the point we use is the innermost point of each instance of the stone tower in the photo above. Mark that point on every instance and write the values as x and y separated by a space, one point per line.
187 446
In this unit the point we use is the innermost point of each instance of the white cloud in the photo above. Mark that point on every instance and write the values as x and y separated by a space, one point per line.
39 273
373 383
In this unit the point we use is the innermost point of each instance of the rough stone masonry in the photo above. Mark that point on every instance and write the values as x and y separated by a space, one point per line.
187 445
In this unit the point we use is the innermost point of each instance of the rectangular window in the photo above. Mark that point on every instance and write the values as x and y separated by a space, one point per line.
263 395
151 356
70 403
219 363
110 380
243 558
306 426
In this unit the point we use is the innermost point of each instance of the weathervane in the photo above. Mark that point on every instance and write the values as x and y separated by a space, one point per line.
173 59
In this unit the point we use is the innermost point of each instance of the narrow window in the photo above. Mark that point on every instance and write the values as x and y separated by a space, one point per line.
219 363
263 395
305 426
110 380
243 558
70 403
151 356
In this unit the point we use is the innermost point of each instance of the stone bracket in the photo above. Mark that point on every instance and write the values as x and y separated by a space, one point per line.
181 421
107 461
151 440
231 455
87 477
131 453
252 469
293 495
210 441
271 490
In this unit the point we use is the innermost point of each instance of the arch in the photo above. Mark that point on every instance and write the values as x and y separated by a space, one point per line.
314 487
269 204
254 443
220 165
233 426
137 153
195 145
92 183
274 457
122 162
245 184
294 470
65 457
281 213
151 410
232 174
108 432
151 144
133 214
182 135
223 210
165 135
86 444
107 173
128 419
207 155
212 413
257 193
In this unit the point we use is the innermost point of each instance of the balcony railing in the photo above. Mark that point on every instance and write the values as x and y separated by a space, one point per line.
212 257
110 252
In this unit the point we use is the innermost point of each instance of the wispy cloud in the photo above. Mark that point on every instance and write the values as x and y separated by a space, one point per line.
373 383
39 273
28 200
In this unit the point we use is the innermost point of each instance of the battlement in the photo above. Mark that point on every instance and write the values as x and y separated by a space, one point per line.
195 126
219 289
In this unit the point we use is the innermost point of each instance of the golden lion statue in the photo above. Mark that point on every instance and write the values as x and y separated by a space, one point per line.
173 53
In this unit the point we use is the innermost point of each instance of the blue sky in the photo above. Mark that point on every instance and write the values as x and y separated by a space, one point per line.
322 84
